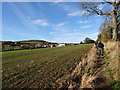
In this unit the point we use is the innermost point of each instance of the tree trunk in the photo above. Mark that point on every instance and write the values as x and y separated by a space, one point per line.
115 30
115 23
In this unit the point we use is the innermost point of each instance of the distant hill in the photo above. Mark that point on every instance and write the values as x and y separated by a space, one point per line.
31 41
35 41
4 41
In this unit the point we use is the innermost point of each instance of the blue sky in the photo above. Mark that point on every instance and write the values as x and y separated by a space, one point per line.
50 21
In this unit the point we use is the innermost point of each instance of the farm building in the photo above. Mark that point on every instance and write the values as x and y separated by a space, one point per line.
61 45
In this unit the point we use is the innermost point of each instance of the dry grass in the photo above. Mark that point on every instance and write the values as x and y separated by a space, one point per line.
98 78
91 72
87 74
112 51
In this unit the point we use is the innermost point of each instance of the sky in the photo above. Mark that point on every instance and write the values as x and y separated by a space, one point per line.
61 22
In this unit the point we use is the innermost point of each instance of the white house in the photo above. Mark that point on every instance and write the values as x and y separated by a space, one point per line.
61 45
51 46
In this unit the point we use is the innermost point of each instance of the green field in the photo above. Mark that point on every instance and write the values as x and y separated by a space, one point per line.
39 68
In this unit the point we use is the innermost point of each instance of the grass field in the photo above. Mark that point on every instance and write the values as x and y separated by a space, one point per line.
39 68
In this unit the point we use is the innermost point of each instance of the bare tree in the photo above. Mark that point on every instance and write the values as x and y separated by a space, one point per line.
92 8
106 31
107 23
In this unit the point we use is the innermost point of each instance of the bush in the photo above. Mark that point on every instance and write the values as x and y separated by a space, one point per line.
88 40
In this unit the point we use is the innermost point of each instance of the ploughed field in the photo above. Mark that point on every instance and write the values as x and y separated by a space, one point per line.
39 68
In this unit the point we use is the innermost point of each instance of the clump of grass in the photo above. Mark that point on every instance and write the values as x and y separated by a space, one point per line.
111 72
114 84
89 79
93 72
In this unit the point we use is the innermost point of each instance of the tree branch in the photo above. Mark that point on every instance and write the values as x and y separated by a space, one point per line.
118 23
108 14
118 16
95 11
111 3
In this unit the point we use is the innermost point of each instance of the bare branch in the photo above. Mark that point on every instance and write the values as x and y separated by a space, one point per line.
111 3
95 11
118 16
113 12
89 11
118 23
93 8
108 14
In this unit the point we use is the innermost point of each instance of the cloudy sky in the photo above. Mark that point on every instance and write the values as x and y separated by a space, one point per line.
51 21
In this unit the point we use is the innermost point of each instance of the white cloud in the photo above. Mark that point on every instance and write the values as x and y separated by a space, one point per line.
84 27
72 37
81 22
41 22
60 27
61 24
64 6
94 34
100 7
74 13
53 33
69 37
72 10
73 34
57 1
22 16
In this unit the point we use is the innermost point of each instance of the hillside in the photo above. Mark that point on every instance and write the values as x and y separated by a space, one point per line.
30 41
34 41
